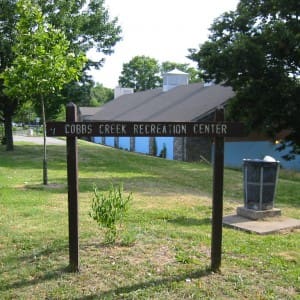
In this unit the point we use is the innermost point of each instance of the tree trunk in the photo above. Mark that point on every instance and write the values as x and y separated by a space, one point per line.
7 114
45 167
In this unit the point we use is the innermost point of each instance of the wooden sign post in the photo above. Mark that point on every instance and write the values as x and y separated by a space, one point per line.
217 205
73 129
72 166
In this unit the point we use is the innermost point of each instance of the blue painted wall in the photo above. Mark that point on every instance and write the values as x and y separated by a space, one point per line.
168 141
110 141
97 139
235 152
124 143
142 145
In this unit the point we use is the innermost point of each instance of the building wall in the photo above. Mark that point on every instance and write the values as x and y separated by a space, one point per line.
142 145
235 152
179 150
124 143
167 143
110 141
198 148
192 149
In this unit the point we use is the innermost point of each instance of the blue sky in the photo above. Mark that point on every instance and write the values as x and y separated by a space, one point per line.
160 29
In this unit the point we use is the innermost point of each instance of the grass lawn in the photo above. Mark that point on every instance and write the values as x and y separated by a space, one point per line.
163 251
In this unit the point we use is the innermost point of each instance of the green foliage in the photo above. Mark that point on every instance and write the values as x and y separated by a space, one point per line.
140 73
108 209
100 95
154 147
84 24
43 62
163 152
255 49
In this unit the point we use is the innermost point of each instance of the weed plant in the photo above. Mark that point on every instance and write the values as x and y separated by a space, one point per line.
108 210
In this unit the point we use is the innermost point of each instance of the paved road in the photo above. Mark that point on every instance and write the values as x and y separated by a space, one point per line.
38 140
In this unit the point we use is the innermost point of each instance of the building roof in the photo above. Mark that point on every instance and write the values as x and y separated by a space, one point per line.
86 111
181 104
176 72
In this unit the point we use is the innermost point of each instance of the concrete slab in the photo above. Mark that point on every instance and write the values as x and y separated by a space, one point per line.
265 226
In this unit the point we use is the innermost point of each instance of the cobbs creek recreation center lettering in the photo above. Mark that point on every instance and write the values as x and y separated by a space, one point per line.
141 129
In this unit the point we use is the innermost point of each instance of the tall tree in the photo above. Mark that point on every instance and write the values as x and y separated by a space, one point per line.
255 49
8 19
140 73
43 62
86 24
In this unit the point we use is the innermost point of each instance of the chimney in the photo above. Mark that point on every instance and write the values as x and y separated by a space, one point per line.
120 91
174 78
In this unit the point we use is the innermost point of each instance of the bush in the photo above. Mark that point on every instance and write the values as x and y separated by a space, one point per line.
163 152
108 209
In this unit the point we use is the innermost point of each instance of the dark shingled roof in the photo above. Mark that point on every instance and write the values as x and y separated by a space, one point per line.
86 111
181 104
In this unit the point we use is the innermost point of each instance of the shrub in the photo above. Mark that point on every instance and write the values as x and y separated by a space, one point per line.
108 209
163 152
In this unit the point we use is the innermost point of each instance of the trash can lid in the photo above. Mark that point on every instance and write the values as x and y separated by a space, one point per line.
260 161
269 158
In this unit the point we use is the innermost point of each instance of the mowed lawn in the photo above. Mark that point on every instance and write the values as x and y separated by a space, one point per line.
163 251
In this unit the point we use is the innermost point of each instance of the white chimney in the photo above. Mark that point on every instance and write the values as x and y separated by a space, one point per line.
120 91
174 78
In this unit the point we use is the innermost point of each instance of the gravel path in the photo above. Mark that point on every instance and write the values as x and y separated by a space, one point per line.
38 140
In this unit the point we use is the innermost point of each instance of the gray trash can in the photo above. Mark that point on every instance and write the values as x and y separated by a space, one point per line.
260 181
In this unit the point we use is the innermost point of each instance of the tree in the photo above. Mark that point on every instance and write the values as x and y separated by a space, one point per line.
100 95
43 62
140 73
7 37
255 49
86 25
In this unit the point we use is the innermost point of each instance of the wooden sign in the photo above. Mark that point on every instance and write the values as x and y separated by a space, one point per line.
159 129
73 129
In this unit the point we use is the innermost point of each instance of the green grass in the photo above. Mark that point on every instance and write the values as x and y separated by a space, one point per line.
168 226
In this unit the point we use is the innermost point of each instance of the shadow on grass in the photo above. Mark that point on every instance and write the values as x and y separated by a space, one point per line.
53 274
53 187
33 258
184 221
168 281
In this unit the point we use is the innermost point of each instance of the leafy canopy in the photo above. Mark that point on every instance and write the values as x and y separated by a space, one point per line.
86 24
140 73
255 49
43 63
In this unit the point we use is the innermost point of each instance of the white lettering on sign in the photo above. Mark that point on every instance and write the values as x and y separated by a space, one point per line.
78 129
113 129
159 129
210 129
120 128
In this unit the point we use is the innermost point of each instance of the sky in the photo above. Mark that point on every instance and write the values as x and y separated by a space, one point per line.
160 29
